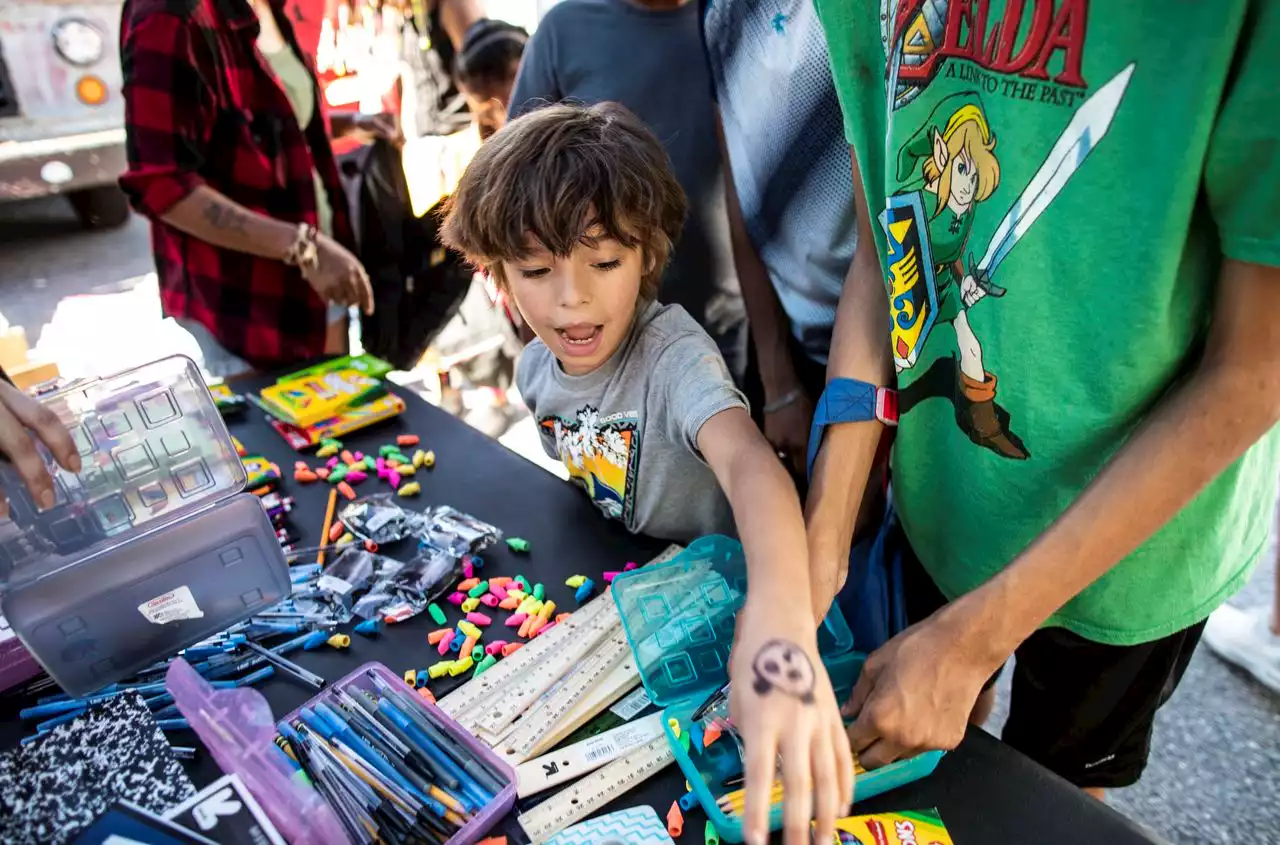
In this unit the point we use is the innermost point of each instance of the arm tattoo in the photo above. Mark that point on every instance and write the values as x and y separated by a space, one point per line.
783 666
224 218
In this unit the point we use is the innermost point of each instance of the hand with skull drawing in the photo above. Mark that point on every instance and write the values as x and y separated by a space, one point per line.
783 706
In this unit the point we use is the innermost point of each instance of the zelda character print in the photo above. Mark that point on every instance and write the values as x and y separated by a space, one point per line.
952 215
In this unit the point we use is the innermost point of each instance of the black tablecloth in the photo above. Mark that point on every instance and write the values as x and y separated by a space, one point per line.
986 792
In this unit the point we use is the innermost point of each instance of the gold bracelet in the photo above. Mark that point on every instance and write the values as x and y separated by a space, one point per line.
304 253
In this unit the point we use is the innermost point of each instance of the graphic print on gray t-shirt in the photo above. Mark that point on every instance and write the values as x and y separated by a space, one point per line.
627 431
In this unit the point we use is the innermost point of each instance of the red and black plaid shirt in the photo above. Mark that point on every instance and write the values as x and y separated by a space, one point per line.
203 108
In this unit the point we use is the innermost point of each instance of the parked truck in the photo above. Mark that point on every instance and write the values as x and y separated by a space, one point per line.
61 112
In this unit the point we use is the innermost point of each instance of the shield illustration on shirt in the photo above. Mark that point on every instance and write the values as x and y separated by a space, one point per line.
911 283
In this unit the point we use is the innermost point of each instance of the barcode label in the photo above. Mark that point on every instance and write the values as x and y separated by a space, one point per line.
631 706
599 751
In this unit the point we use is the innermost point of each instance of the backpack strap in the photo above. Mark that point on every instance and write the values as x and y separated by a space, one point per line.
848 400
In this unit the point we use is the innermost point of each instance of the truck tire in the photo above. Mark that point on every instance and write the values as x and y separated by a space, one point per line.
105 207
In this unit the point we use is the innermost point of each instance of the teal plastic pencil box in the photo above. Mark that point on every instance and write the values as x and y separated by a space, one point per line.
679 619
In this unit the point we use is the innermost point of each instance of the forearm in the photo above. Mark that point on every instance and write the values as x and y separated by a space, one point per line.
456 16
1229 403
859 350
214 218
765 506
771 527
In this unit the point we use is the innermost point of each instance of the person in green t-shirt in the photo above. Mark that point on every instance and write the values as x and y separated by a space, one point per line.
1083 197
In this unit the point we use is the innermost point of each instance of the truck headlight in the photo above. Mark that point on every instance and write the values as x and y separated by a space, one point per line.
78 41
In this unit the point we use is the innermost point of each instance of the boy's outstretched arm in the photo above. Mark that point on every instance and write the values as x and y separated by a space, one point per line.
1230 401
781 699
859 350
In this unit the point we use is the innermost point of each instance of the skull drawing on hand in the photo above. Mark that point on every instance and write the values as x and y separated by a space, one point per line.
785 667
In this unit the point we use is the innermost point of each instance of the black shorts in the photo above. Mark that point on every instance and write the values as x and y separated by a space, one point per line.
1081 709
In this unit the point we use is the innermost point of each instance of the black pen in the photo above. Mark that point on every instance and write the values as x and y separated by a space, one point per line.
714 700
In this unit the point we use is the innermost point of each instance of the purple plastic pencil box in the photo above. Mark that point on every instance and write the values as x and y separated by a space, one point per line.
502 803
237 727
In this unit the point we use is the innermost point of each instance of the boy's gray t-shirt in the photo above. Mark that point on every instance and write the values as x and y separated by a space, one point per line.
627 432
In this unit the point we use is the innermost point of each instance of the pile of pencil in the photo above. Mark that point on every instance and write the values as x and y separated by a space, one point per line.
389 767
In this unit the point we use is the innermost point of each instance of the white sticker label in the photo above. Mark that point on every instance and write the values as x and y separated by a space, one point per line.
621 739
630 707
171 606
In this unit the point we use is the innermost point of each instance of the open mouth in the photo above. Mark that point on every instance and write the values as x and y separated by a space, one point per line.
580 339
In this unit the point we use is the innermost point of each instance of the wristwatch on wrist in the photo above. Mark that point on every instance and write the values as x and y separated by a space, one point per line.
848 400
304 253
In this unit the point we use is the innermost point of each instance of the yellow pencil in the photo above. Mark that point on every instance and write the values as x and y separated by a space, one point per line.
328 522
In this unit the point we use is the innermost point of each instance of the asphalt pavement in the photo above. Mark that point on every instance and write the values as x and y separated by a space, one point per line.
1214 775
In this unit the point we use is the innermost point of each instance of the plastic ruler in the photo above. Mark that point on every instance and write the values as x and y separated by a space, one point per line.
596 790
529 730
574 761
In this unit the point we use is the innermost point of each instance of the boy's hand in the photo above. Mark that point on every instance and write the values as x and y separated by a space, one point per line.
20 418
916 691
783 705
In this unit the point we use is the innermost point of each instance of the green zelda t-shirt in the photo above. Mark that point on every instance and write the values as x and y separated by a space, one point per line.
1057 183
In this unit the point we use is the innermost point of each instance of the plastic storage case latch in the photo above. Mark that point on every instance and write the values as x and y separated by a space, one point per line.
679 620
152 546
237 727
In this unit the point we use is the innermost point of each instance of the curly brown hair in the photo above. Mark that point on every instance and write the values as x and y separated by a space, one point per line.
563 175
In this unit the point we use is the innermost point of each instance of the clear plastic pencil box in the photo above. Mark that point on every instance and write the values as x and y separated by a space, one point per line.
679 619
151 547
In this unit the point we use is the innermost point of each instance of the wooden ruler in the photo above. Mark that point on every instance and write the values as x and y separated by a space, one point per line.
614 686
496 714
586 676
596 790
464 703
574 761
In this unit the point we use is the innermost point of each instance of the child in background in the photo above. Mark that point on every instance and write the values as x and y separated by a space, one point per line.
485 71
574 210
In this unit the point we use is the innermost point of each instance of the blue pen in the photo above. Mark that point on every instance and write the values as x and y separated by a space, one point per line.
330 728
468 786
337 717
56 708
202 652
254 677
172 724
46 726
168 712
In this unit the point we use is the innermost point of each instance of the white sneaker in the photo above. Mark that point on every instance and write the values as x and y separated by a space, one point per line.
1245 638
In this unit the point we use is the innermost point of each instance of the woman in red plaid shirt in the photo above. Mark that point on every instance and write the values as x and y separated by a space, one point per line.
229 156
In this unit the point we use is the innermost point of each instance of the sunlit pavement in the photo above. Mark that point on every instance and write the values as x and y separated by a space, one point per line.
88 301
